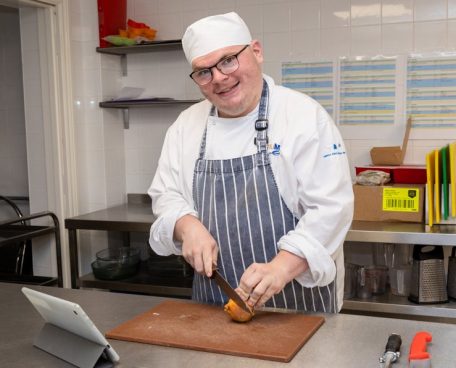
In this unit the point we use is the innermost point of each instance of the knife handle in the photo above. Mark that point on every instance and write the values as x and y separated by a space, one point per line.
393 344
418 346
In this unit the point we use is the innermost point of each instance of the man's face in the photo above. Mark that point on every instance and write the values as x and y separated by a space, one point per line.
238 93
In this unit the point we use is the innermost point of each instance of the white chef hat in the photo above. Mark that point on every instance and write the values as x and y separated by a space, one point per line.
213 33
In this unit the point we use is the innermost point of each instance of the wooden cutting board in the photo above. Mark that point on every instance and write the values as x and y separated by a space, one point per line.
269 335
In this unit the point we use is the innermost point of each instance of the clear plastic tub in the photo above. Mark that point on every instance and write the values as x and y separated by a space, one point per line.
116 264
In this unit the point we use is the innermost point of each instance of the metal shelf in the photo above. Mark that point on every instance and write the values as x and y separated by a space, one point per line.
11 233
123 51
153 46
401 233
144 282
127 104
142 48
400 305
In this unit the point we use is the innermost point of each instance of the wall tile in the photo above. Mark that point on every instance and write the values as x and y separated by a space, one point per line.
305 15
253 17
451 8
170 26
169 6
132 160
192 16
305 44
365 12
430 10
365 40
141 7
430 36
192 91
397 38
394 11
451 35
276 18
277 46
244 2
335 42
335 13
191 6
229 4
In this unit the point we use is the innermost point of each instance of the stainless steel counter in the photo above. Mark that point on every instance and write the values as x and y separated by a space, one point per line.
344 341
137 216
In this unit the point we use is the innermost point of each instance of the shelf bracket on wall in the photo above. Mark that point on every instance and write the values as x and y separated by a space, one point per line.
123 64
126 118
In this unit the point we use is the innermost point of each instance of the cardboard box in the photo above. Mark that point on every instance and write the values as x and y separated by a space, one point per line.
387 204
402 174
391 155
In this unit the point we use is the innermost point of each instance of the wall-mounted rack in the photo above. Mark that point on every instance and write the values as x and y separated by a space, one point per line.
153 46
125 105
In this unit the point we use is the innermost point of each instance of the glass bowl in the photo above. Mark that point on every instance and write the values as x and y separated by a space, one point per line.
116 264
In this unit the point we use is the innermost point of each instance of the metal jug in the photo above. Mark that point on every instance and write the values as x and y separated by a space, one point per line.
428 283
451 281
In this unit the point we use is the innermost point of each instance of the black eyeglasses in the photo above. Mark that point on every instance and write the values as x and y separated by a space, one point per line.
227 65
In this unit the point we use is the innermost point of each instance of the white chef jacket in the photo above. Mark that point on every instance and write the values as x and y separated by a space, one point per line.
310 166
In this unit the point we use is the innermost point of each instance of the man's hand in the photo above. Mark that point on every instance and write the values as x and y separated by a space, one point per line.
261 281
199 248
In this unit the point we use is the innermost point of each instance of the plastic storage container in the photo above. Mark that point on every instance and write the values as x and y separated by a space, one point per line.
116 264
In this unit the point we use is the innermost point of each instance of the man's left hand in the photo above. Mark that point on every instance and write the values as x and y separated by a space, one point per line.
261 281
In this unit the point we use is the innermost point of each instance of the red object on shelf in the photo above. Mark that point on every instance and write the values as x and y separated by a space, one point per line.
112 16
403 174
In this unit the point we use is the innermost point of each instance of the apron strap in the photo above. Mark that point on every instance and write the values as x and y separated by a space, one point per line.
261 125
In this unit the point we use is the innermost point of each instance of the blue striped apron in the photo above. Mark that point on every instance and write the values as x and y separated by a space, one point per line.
239 203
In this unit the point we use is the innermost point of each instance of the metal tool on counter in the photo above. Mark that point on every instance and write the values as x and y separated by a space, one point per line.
418 356
392 350
228 290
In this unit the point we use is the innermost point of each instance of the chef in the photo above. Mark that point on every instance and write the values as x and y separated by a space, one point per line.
254 179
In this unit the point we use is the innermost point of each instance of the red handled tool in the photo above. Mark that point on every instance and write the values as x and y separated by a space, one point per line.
419 357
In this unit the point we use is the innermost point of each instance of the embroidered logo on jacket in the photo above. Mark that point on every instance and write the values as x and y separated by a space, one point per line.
334 150
274 149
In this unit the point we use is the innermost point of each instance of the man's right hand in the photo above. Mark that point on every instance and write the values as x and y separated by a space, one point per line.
199 248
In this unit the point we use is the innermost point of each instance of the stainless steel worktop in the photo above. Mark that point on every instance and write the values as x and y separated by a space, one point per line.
344 341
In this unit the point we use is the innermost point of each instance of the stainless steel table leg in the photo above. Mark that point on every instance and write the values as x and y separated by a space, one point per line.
74 269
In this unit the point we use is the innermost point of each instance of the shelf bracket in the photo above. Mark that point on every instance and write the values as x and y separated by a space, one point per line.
123 64
126 118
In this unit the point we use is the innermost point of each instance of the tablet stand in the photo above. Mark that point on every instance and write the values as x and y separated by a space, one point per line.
72 348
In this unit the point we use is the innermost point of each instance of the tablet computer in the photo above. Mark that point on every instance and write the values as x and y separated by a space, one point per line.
68 316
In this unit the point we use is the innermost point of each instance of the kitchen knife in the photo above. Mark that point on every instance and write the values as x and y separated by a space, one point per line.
228 290
419 357
392 350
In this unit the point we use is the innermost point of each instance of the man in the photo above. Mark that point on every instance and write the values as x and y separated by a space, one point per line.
254 179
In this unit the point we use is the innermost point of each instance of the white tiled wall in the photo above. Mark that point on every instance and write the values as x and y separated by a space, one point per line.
289 30
13 152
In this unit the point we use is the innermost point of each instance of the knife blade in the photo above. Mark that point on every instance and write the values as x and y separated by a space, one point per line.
228 290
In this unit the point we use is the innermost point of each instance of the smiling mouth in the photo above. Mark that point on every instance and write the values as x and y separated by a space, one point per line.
227 91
